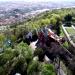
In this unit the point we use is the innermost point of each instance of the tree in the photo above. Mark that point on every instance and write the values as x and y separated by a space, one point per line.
33 68
53 21
2 38
57 27
15 60
56 22
40 53
68 19
47 69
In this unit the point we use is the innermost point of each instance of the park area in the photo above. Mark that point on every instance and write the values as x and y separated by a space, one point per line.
71 32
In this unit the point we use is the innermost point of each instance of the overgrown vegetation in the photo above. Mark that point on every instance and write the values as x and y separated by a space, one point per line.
18 57
20 60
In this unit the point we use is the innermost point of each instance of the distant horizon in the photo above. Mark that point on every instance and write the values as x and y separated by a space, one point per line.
37 0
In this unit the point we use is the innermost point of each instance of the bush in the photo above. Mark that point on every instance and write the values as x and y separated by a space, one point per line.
47 69
33 68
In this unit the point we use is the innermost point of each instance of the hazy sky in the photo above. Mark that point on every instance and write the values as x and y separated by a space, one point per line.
38 0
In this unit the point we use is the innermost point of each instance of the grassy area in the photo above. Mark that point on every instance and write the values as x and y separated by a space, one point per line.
70 31
62 33
66 45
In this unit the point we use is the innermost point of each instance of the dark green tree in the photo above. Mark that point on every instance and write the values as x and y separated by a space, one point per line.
57 27
68 19
47 69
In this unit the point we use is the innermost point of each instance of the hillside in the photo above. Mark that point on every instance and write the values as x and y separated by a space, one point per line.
18 57
12 12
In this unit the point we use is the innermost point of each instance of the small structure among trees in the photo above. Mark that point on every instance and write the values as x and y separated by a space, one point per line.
51 47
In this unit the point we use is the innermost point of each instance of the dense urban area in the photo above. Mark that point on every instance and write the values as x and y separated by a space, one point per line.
37 41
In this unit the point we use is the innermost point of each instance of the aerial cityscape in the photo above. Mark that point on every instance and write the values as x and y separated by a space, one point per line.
37 37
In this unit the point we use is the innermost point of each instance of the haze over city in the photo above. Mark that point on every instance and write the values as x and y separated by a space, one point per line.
38 0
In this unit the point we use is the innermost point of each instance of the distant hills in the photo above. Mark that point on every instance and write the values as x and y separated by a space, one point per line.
35 6
10 12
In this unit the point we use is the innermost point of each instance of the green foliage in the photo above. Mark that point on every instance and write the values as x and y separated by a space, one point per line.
21 52
57 27
2 71
20 58
8 55
47 69
53 21
33 68
2 38
25 51
38 51
56 22
66 45
41 20
13 38
36 68
68 19
70 31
